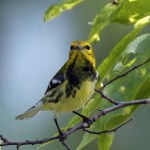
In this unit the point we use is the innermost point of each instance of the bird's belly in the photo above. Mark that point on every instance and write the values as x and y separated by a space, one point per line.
73 102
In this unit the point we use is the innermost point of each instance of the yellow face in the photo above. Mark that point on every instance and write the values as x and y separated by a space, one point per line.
82 48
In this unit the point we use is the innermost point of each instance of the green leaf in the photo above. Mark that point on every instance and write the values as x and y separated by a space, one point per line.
55 10
115 54
132 11
127 12
143 91
87 138
105 141
102 20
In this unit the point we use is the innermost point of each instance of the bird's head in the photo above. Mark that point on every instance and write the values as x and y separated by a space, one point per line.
83 49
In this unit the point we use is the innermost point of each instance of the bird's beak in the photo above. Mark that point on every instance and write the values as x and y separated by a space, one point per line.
79 47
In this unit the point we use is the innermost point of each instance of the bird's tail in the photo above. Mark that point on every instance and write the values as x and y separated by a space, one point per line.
31 112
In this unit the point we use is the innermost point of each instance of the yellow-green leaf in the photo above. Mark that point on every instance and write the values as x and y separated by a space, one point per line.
132 11
105 141
115 54
103 18
55 10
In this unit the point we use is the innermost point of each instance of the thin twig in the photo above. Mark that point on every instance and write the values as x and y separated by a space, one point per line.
66 145
18 147
4 139
108 131
124 74
27 142
106 97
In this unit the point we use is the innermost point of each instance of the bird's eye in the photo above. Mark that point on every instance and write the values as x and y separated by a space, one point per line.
87 47
71 47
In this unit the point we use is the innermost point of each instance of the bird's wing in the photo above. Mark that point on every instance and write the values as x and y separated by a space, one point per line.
58 79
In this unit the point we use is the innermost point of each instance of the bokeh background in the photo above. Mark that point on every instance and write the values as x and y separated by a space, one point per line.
32 51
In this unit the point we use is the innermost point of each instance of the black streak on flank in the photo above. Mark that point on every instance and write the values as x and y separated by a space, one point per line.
73 93
56 99
70 91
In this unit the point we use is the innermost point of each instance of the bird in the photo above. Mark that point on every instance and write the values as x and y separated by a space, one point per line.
72 86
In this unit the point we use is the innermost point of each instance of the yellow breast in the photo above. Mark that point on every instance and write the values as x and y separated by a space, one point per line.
73 102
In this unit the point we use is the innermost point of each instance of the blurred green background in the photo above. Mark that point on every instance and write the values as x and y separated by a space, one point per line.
32 51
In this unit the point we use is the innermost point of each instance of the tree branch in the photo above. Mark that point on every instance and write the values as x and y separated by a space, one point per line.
77 127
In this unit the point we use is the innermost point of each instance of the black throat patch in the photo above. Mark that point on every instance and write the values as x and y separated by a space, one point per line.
78 73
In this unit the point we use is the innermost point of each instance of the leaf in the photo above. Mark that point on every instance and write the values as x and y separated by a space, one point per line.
115 54
132 11
87 138
55 10
105 141
127 12
132 86
143 91
101 20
